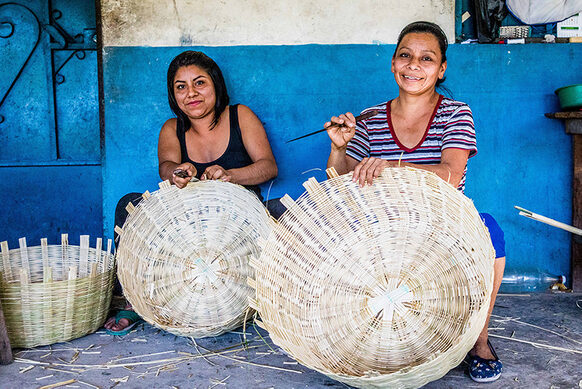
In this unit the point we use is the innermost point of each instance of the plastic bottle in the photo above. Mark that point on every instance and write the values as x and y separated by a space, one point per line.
531 281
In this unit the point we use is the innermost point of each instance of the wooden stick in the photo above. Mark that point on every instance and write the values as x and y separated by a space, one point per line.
24 258
5 350
221 382
259 365
111 364
6 261
538 327
535 344
547 220
88 384
144 355
56 385
358 118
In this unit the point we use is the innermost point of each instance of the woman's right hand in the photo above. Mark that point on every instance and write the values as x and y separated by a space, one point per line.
341 129
186 167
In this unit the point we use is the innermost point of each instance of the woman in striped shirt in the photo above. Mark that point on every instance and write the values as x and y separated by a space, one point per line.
422 129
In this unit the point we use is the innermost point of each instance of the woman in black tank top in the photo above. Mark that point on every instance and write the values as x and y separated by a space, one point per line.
234 156
206 140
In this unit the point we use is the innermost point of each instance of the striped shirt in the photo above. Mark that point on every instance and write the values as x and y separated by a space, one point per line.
451 126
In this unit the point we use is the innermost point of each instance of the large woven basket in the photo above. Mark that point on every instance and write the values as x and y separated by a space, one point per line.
183 256
382 286
55 293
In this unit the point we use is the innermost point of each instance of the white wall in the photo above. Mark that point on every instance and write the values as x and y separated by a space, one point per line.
266 22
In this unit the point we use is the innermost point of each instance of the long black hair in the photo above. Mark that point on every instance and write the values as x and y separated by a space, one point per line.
206 63
426 27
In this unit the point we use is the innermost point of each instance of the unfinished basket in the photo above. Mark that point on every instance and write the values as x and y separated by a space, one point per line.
382 286
183 256
55 293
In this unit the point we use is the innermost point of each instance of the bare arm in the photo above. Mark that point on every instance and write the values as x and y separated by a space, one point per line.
341 130
257 145
340 161
451 168
169 156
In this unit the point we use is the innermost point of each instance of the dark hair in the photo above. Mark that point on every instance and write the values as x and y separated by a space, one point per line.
430 28
206 63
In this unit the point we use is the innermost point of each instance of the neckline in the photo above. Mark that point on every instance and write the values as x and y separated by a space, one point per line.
393 133
225 150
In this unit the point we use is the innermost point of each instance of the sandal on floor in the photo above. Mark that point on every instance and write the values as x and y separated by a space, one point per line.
133 318
485 370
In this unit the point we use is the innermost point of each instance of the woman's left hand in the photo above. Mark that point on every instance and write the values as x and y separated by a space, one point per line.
370 168
216 172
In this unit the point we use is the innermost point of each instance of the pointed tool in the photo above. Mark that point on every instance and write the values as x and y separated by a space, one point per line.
358 118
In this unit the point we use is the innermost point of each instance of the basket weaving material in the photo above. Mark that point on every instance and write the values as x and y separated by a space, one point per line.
382 286
183 256
54 293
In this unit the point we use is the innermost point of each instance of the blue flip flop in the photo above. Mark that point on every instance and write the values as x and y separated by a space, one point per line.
485 370
134 319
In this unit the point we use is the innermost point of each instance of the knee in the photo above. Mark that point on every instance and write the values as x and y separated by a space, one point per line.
496 233
275 207
133 198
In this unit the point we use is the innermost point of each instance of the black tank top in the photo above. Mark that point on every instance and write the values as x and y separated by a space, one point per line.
235 156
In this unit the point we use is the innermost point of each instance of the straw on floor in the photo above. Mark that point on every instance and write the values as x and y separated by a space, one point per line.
382 286
183 256
55 293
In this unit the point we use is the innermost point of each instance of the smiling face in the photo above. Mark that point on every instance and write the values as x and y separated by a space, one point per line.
194 91
417 63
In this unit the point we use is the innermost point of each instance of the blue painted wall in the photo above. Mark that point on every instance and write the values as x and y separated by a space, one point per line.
46 201
524 158
55 178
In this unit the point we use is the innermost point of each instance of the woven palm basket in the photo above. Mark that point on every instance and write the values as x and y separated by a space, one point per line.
55 293
183 256
382 286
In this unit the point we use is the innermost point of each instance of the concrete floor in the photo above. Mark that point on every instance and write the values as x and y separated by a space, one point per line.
150 358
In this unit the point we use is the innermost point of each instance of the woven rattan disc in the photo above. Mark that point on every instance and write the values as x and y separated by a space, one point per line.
382 286
183 256
54 293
